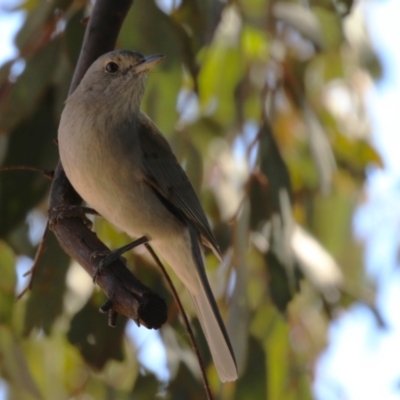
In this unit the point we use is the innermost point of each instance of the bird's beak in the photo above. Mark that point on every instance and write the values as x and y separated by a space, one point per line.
149 63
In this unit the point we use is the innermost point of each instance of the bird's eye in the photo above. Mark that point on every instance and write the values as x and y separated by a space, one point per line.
112 67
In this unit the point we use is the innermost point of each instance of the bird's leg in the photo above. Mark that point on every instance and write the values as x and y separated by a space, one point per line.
109 257
57 213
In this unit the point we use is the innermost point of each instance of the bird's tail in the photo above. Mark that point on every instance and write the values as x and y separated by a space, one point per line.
210 319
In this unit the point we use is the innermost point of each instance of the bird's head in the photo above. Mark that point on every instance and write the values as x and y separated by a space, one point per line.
119 76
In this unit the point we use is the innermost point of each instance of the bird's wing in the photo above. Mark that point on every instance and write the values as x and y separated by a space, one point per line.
164 173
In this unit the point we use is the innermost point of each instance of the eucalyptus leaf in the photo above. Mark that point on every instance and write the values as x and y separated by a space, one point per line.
7 283
48 283
31 144
22 97
96 341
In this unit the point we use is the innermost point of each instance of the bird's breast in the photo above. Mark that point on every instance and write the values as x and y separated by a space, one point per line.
103 164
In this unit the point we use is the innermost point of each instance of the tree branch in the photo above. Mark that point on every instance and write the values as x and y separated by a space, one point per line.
128 296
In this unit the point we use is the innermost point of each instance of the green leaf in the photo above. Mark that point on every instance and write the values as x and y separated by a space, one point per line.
202 16
216 84
254 381
238 317
40 23
160 97
185 386
96 341
355 155
255 11
7 283
191 159
204 131
254 44
74 33
48 283
146 387
273 166
30 144
302 19
259 196
62 81
21 98
331 24
277 350
282 287
194 23
148 30
14 366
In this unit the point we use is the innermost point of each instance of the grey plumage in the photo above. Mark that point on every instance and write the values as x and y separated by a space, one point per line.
121 165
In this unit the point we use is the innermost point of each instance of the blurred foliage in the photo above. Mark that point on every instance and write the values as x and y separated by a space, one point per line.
262 103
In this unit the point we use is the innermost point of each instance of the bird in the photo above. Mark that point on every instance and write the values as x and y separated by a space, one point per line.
121 165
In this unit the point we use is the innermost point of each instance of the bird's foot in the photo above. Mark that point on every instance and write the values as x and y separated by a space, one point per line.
107 259
110 257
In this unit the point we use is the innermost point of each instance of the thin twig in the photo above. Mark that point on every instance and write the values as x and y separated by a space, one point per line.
38 254
47 173
185 320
